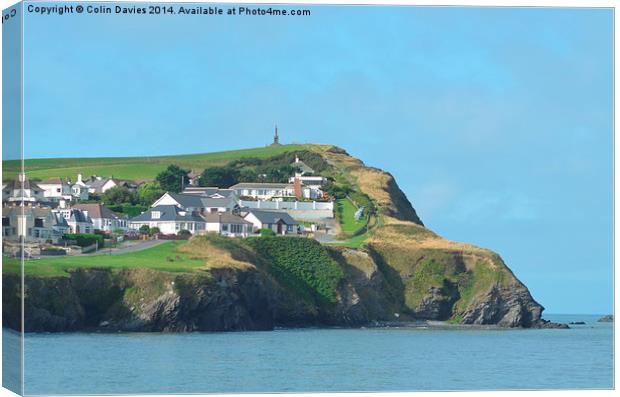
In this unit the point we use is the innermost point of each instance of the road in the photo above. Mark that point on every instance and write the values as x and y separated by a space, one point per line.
125 249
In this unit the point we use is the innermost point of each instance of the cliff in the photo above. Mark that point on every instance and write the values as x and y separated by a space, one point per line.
401 272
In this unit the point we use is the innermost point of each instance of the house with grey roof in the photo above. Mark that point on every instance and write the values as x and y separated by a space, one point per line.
278 221
103 218
56 189
169 219
199 203
78 220
32 224
227 224
208 191
22 191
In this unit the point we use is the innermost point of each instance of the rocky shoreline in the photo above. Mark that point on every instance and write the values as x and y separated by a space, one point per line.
142 300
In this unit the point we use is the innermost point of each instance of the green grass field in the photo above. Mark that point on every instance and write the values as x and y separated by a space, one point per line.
164 257
346 216
135 168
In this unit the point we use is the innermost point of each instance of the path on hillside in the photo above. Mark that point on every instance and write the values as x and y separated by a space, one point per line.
125 249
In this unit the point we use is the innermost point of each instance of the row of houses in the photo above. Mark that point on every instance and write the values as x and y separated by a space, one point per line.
55 190
217 211
47 210
41 224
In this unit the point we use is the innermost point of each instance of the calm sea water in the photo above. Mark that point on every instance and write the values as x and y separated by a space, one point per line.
320 360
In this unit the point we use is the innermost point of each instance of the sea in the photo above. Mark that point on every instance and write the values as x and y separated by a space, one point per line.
316 360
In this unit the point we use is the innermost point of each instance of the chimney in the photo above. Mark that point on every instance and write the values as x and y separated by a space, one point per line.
296 159
79 178
297 187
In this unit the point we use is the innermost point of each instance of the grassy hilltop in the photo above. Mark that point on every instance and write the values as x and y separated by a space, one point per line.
394 264
134 168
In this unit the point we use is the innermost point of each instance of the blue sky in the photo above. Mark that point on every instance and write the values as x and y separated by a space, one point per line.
496 122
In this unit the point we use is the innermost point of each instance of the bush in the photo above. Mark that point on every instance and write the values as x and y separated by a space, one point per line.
128 209
185 234
144 229
266 232
303 265
153 231
84 239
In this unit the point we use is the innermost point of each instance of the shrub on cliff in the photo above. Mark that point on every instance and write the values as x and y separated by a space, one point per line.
301 264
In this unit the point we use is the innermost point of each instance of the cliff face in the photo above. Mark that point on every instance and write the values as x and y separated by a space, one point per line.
433 277
218 299
403 272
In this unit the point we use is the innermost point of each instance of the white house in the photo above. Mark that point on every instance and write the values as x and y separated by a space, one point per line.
278 221
201 204
193 178
32 224
22 191
169 219
56 189
103 218
302 167
78 221
227 224
264 191
99 185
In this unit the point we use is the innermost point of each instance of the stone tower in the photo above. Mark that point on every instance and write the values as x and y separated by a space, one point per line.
276 138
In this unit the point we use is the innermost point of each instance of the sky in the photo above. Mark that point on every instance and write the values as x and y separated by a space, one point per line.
495 122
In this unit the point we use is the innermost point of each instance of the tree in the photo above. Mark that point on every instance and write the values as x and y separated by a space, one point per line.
153 231
149 193
247 175
185 234
172 179
119 195
144 229
222 177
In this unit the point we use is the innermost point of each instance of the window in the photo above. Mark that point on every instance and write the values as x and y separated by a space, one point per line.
38 222
224 228
58 190
6 221
155 214
236 228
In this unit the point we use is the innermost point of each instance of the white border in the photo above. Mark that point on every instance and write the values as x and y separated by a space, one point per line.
523 3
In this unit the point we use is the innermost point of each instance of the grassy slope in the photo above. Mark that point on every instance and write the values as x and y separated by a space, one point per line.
137 168
165 257
347 216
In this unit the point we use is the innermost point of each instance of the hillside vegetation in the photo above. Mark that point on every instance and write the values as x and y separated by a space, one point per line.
396 269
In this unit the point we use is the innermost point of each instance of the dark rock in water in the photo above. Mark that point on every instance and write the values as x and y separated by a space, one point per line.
542 323
577 323
606 319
